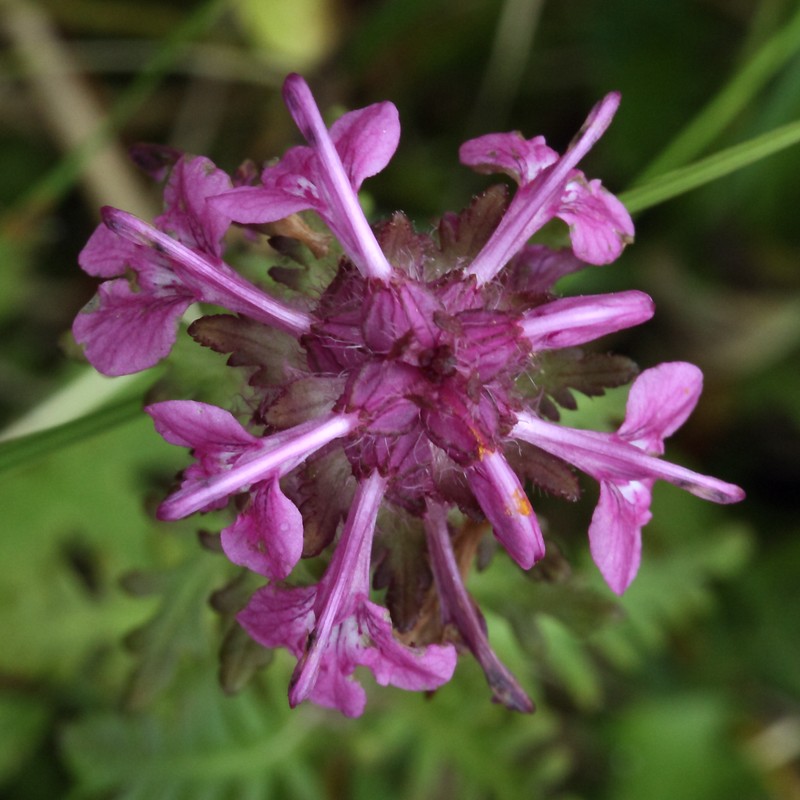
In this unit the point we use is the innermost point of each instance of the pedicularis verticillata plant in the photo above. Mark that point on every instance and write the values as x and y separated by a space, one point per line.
419 385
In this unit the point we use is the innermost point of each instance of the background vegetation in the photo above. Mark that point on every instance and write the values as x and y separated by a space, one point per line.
689 687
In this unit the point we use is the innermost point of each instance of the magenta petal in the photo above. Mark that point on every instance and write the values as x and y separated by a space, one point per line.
201 426
188 217
331 180
458 609
336 689
365 638
257 204
222 471
538 201
507 508
412 668
123 331
267 537
599 224
660 401
522 159
615 533
345 583
107 254
572 321
279 617
366 140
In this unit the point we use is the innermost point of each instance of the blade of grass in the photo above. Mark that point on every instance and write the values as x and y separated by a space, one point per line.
729 102
684 179
17 452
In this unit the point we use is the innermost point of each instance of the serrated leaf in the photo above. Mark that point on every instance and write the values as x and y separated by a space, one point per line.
403 570
303 399
89 493
463 235
250 344
179 626
322 491
201 744
240 658
544 470
195 373
403 246
591 374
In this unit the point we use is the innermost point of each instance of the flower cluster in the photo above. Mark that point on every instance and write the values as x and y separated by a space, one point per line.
417 386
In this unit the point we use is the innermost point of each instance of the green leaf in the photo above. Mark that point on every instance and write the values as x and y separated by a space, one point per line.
23 721
73 522
560 372
200 744
678 745
179 625
570 662
270 353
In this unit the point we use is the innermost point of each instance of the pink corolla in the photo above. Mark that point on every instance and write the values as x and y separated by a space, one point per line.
333 627
417 382
155 272
626 464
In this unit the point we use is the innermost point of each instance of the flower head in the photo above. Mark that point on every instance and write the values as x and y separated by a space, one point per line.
417 385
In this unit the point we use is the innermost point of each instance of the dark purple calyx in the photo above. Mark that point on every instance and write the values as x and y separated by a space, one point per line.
425 362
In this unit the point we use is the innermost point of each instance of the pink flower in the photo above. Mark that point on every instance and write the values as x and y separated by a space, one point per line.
131 323
550 186
626 464
267 537
421 376
334 627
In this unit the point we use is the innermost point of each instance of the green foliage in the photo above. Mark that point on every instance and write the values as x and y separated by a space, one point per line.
63 559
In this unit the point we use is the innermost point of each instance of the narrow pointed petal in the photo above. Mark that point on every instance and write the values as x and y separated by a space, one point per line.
606 457
348 574
537 202
344 209
459 610
207 280
267 537
274 455
506 506
575 320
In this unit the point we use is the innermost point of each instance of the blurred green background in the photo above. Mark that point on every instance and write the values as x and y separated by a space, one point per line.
689 687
